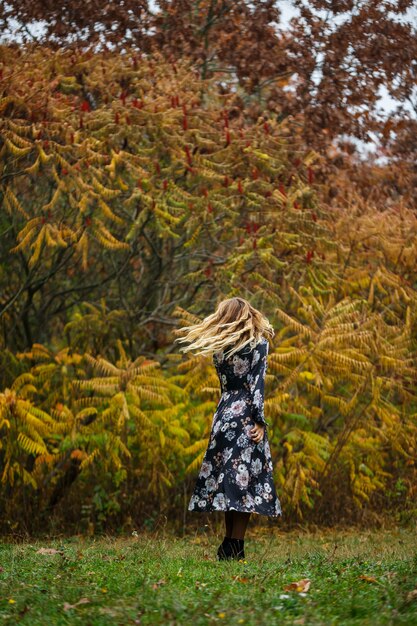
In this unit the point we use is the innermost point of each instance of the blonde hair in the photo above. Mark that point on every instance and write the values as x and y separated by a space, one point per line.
235 323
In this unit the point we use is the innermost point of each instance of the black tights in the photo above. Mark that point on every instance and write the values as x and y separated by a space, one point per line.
236 524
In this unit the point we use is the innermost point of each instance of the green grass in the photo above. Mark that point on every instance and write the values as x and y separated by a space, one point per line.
166 580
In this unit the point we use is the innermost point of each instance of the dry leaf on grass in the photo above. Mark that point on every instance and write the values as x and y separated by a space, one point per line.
368 579
302 585
47 551
68 606
412 595
158 584
240 579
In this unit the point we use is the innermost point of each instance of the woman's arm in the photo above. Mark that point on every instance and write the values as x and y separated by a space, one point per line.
256 379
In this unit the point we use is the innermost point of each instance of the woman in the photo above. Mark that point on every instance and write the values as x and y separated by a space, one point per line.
236 472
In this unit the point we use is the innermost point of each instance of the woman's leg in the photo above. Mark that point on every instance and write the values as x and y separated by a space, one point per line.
228 519
240 524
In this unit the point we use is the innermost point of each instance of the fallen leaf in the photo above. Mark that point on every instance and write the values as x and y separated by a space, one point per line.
412 595
159 583
47 551
301 585
369 579
240 579
68 606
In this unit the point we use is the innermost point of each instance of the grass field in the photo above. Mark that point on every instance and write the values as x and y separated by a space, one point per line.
355 578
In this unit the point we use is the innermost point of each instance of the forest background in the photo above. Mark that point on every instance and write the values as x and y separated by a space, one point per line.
157 159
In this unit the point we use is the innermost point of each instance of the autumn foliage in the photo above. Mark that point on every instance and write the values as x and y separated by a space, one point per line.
135 195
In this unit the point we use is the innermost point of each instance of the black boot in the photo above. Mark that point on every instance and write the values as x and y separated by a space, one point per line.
231 548
221 553
237 548
241 549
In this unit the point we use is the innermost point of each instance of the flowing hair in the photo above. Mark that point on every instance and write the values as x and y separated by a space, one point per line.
235 323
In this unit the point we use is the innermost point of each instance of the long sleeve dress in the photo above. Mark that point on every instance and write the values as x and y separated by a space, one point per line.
236 472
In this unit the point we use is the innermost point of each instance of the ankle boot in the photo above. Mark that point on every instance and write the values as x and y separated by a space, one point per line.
241 549
236 549
222 550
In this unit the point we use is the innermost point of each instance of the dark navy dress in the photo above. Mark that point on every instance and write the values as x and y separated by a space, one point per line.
236 472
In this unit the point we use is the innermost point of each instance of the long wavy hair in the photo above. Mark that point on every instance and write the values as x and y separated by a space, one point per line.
234 324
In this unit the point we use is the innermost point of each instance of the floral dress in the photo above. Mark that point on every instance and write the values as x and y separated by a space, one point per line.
236 472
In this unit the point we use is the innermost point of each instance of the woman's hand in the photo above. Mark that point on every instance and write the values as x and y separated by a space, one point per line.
257 433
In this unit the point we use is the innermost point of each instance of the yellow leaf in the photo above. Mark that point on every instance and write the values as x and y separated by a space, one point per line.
307 376
162 438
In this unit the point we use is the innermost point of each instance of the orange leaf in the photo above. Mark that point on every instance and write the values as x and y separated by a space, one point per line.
299 586
369 579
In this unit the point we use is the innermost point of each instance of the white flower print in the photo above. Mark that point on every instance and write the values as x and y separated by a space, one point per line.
211 484
237 407
227 453
242 440
206 468
267 488
240 366
233 424
256 466
257 398
255 358
246 454
258 499
242 478
231 434
219 502
202 504
248 500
